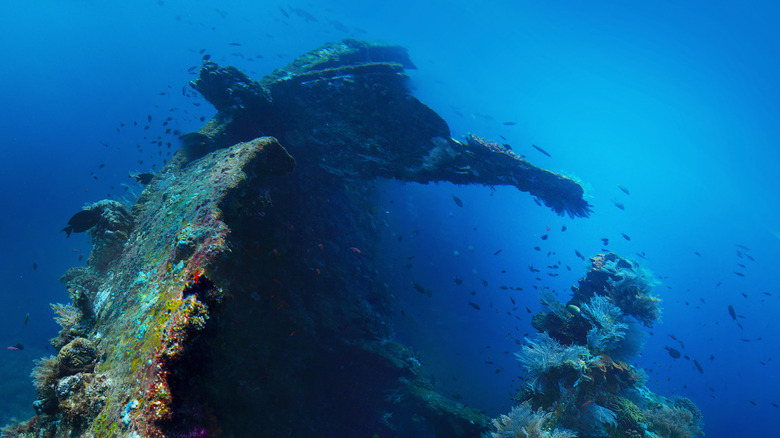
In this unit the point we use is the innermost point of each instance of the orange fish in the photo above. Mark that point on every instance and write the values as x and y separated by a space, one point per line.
355 250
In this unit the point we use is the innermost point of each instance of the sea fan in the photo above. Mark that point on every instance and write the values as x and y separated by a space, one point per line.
612 332
523 422
630 289
595 417
544 353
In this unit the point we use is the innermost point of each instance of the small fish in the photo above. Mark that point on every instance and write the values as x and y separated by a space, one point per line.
698 366
750 257
743 247
579 255
626 236
419 288
17 347
497 252
545 237
672 352
474 305
206 57
623 189
537 248
739 274
563 228
26 317
234 44
733 314
35 266
541 150
457 201
605 240
458 281
510 123
618 204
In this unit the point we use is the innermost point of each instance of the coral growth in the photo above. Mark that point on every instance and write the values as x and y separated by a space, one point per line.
630 289
68 317
110 233
612 332
681 419
524 422
576 370
540 355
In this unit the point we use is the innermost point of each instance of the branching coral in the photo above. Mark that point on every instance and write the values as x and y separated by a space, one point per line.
612 332
44 374
539 355
68 317
523 422
630 289
681 420
544 353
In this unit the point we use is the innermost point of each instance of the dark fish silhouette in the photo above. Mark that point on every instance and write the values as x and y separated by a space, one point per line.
510 123
739 274
623 189
619 204
743 247
458 281
195 144
457 201
143 178
579 255
35 266
541 150
26 317
474 305
605 240
734 315
672 352
82 221
626 236
698 366
497 252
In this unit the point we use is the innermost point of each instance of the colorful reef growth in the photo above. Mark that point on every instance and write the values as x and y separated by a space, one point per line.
239 295
578 382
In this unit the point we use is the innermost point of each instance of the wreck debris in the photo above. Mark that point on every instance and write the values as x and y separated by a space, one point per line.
346 107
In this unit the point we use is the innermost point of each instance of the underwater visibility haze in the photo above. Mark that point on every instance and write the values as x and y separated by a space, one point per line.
412 219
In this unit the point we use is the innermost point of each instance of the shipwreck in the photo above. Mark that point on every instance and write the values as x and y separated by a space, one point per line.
238 295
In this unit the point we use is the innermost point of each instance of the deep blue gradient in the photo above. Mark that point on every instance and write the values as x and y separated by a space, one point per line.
676 101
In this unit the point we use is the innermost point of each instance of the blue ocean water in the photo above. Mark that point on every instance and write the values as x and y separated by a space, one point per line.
675 101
